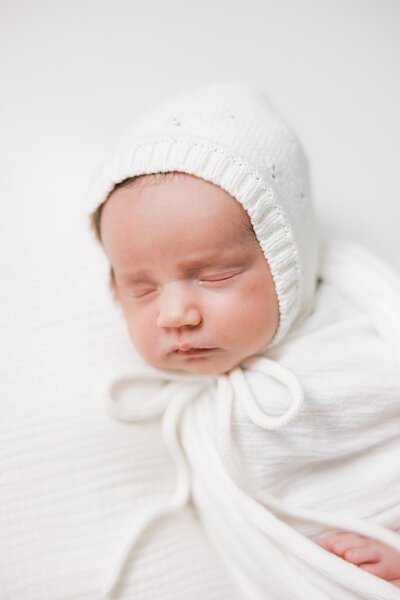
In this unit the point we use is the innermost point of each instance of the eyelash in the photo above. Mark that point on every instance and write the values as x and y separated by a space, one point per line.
219 279
141 295
147 293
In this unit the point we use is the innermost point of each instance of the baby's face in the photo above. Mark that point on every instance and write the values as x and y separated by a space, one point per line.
194 286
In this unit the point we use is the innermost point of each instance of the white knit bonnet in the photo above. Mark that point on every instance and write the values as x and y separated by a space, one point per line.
227 134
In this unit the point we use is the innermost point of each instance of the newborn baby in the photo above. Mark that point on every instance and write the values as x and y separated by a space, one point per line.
206 220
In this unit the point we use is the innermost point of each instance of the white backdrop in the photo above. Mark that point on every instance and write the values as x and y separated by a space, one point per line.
73 74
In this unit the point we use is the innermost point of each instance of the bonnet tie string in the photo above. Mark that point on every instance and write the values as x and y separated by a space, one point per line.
236 384
171 400
178 391
248 400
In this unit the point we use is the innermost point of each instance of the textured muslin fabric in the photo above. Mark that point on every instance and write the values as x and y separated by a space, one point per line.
266 478
229 135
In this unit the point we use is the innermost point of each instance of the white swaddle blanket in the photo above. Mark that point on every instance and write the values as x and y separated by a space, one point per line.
290 445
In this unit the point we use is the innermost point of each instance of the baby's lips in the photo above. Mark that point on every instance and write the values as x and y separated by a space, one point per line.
184 346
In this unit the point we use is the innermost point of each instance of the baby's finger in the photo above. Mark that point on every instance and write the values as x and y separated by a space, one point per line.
373 569
379 569
324 542
358 556
340 542
327 541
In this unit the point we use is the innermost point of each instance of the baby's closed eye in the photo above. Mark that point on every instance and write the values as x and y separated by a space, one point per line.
218 277
138 290
142 291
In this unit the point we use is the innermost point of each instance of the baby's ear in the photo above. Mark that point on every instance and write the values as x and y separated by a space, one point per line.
112 285
94 224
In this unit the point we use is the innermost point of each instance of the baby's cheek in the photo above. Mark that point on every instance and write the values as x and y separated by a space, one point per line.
262 298
234 320
140 332
225 313
259 319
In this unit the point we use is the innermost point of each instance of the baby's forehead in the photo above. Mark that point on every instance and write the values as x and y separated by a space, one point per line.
194 191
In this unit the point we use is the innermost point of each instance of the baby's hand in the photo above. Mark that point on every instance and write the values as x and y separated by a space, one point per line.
368 554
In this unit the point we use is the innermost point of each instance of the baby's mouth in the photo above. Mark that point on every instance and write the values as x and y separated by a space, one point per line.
185 349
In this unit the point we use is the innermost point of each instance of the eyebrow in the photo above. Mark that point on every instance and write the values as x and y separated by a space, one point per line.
231 255
200 263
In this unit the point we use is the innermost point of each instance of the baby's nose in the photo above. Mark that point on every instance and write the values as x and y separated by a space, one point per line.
177 308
